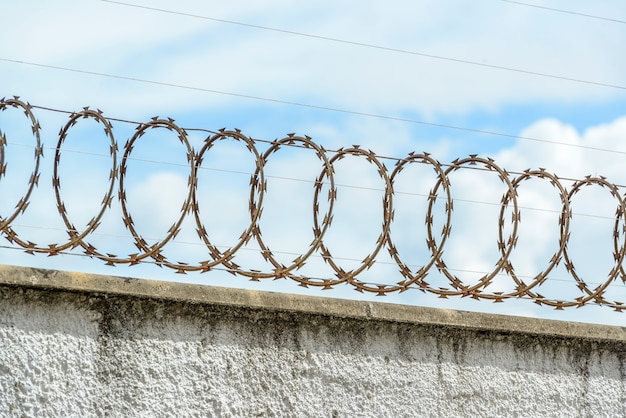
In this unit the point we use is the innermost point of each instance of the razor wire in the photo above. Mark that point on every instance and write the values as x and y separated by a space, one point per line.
223 259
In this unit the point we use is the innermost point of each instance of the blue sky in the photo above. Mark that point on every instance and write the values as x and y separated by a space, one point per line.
50 54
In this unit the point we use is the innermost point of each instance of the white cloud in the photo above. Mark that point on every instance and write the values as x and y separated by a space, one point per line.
574 161
127 41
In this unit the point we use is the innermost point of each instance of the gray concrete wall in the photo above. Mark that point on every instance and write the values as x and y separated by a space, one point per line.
85 345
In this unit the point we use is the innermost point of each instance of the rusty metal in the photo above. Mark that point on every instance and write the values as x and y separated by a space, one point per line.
411 278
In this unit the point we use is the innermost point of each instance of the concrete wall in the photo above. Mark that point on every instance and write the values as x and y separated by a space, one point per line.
85 345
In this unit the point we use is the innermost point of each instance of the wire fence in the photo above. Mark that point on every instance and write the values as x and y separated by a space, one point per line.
324 200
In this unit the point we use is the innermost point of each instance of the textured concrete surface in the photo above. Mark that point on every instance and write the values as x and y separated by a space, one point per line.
85 345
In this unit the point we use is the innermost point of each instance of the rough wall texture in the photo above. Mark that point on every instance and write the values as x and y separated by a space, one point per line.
78 345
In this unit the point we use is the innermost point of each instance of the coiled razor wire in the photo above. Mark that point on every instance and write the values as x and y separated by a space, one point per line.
321 222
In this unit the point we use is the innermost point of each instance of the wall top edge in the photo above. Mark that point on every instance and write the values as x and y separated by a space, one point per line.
73 282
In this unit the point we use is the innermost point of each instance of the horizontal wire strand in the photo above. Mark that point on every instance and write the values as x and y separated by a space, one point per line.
367 45
331 109
267 141
552 9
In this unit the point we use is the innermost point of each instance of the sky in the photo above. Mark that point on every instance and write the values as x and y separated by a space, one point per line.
526 87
